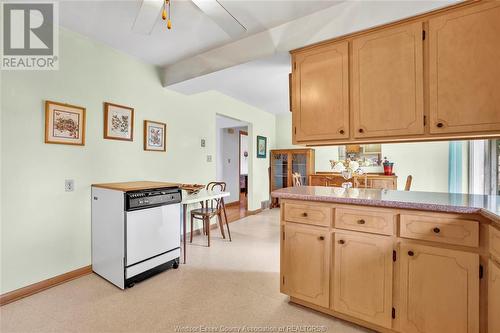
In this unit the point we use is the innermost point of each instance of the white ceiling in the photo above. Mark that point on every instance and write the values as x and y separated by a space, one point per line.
262 83
193 32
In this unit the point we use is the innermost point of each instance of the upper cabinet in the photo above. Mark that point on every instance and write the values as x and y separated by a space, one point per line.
432 77
387 83
464 70
321 93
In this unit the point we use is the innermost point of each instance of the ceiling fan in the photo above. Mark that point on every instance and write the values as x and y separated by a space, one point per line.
151 9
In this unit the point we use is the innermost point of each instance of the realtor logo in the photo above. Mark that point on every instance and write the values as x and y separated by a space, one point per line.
29 36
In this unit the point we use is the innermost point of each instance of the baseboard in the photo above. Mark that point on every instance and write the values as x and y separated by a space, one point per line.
43 285
234 203
253 212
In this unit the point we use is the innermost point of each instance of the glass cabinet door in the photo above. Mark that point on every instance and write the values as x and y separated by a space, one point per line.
299 165
280 170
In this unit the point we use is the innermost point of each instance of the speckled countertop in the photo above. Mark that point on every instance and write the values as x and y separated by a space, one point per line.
487 205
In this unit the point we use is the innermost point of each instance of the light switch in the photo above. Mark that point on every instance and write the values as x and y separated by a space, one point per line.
203 142
209 158
69 185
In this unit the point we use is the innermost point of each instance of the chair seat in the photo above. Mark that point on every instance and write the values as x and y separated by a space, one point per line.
204 211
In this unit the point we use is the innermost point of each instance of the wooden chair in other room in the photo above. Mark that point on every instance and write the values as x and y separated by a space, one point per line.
209 209
409 179
297 179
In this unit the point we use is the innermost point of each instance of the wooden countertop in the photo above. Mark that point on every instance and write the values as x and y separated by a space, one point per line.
135 186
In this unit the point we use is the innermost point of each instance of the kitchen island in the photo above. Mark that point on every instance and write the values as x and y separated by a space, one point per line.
393 261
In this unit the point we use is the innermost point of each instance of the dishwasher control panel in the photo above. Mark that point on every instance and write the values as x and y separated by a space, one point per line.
152 198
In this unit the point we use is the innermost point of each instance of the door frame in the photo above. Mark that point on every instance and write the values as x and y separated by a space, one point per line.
245 133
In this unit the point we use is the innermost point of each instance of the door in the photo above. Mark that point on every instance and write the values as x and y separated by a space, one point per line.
362 285
307 263
464 70
439 290
493 297
321 106
387 83
151 232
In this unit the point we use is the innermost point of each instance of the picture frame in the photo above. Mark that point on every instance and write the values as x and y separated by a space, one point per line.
261 146
155 136
118 122
64 124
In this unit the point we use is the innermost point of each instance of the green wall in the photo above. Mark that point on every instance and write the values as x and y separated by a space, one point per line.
45 230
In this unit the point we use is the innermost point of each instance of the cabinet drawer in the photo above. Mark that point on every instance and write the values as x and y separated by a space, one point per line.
367 220
440 229
495 243
310 214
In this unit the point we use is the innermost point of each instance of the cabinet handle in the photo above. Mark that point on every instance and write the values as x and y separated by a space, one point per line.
439 125
304 214
361 221
341 241
361 130
411 254
341 132
321 238
436 230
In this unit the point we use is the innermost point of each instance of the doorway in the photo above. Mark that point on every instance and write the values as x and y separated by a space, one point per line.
232 164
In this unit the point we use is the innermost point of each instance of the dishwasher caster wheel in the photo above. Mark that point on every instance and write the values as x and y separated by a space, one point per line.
175 265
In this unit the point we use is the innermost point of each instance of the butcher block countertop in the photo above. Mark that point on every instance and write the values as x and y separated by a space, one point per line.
135 186
486 205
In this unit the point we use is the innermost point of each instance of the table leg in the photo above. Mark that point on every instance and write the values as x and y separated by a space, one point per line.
184 209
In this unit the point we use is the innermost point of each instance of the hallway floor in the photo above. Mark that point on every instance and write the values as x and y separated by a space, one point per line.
230 284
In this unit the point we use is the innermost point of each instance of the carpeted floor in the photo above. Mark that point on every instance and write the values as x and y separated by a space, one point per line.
226 287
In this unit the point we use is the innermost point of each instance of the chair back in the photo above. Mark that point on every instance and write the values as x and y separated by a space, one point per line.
297 179
215 186
409 179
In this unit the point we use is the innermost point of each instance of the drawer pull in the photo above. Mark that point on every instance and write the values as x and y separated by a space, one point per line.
436 230
321 238
304 214
361 130
341 241
341 132
411 254
361 221
439 125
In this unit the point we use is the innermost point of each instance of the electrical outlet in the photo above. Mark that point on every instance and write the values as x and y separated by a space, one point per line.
209 158
69 185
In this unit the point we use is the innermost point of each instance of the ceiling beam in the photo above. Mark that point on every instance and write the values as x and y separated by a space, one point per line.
338 20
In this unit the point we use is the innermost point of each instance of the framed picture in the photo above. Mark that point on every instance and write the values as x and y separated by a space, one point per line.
261 146
118 122
64 124
155 135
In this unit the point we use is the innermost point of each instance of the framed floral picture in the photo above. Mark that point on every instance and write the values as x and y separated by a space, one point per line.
155 135
118 122
64 124
261 146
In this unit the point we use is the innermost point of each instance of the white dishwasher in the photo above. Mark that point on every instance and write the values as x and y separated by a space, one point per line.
135 234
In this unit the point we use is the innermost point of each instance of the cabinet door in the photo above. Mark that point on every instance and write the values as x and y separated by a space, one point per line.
299 165
279 170
439 290
387 83
493 297
362 285
464 70
321 106
307 263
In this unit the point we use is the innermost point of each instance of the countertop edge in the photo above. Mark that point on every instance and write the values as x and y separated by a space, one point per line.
393 204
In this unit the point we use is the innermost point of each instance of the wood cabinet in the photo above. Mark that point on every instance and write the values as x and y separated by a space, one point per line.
307 263
439 290
321 92
362 284
387 82
464 71
366 181
430 77
494 297
285 162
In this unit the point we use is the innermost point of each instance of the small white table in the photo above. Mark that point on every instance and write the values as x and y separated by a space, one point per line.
188 199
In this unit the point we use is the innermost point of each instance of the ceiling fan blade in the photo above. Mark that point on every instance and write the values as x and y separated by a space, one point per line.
219 14
147 16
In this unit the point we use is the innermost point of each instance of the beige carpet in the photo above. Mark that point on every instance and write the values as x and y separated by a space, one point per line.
226 287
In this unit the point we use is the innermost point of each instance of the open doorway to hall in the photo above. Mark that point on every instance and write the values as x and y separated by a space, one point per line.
232 164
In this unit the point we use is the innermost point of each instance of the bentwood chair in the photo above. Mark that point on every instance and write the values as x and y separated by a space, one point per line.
210 209
297 179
